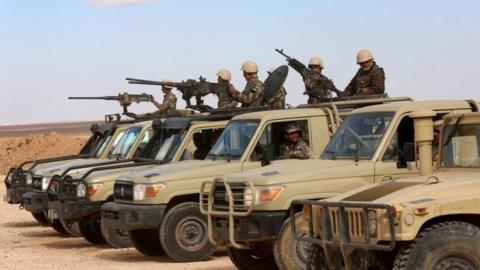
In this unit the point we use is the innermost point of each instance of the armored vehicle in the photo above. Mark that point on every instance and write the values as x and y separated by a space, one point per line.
81 194
128 140
246 210
427 222
169 220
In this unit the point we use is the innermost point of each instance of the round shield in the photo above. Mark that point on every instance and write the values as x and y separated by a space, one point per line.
274 82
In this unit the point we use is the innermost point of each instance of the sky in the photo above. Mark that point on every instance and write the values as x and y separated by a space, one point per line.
53 49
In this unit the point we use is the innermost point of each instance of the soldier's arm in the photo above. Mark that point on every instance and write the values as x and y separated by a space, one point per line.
303 152
249 95
165 104
350 89
378 82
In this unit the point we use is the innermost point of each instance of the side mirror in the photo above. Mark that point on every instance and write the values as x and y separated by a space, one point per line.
405 155
268 155
139 150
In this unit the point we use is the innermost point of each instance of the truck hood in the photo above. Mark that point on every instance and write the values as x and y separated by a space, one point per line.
180 170
60 168
294 170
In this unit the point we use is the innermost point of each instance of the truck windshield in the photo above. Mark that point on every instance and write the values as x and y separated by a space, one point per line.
163 144
359 135
234 140
126 142
461 149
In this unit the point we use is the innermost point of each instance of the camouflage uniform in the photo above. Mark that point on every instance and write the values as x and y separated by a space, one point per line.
278 100
299 150
319 85
251 95
367 82
225 100
168 106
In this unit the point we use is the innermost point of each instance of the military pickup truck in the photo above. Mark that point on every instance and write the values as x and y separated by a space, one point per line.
421 223
159 207
246 210
120 150
80 194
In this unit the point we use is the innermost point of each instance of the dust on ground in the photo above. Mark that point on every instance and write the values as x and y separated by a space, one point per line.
14 151
27 245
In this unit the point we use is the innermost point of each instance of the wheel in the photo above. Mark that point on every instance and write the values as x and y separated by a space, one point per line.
91 231
289 253
115 238
316 258
183 234
41 218
71 227
147 242
259 257
56 224
447 245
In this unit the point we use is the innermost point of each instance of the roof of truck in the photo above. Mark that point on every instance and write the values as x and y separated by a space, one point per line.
279 114
416 105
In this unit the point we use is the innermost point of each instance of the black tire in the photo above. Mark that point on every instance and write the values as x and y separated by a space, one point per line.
114 237
71 227
56 224
41 218
260 257
447 245
289 253
183 234
316 258
91 231
147 242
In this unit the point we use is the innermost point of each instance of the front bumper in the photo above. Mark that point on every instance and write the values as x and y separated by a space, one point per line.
131 217
75 210
35 202
15 194
255 227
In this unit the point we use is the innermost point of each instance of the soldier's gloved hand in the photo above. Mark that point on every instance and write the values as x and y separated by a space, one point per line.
231 89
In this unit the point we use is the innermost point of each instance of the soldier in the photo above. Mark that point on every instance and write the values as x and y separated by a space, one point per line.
169 103
225 99
278 100
252 94
317 85
293 146
370 78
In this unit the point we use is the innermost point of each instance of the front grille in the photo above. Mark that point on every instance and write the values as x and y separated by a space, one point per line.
221 200
123 190
16 179
67 191
53 187
37 182
354 222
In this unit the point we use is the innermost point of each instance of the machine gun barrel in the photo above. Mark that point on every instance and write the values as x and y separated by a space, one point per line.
294 63
102 98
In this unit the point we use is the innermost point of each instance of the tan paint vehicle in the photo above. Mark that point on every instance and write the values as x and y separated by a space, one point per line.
246 210
123 146
426 222
81 193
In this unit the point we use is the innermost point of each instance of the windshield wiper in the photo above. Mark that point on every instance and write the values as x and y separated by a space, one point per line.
453 131
332 153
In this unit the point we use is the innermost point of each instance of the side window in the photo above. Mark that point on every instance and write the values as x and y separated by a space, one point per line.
276 142
401 141
118 138
201 143
146 136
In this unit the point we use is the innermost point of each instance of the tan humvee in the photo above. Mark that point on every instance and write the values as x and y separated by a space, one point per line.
122 146
426 222
246 210
174 140
159 207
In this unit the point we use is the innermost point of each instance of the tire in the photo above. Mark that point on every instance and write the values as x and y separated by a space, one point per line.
91 231
316 258
251 259
147 242
114 237
56 224
183 234
41 218
289 253
447 245
71 227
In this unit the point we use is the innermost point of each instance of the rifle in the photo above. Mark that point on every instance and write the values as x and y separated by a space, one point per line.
306 72
189 88
125 100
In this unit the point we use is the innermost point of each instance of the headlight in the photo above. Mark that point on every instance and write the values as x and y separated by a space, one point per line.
81 190
143 191
45 182
372 223
263 194
29 179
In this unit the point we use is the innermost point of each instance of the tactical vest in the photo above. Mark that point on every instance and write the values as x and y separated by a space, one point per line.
364 80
